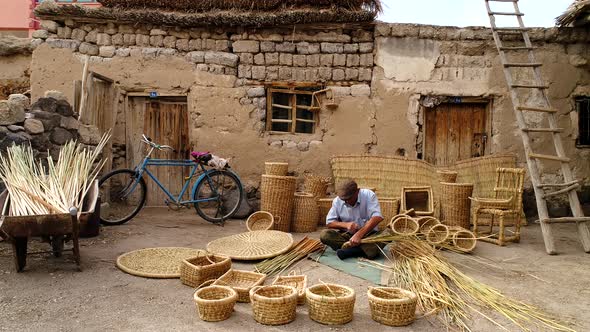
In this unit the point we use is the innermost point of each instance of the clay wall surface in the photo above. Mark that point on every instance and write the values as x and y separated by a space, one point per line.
14 74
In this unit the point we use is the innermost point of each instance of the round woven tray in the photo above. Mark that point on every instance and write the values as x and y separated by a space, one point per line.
156 262
252 245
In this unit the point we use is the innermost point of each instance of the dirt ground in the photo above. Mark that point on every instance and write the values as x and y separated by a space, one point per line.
51 295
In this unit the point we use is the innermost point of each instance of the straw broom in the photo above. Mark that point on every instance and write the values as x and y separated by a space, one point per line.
280 263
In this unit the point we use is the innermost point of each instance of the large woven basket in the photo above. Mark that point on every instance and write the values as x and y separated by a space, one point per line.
276 168
277 197
455 205
330 304
195 271
447 176
274 305
462 239
241 281
392 306
260 221
215 303
418 198
316 185
389 208
297 281
324 206
305 213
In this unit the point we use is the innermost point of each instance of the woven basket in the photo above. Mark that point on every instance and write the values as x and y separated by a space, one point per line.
447 176
426 223
277 197
305 213
462 239
241 281
275 168
274 305
455 205
389 208
297 281
418 198
316 185
324 206
404 225
330 304
215 303
392 306
437 234
196 270
260 221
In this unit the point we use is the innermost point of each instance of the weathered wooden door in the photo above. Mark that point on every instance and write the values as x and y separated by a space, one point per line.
455 132
166 123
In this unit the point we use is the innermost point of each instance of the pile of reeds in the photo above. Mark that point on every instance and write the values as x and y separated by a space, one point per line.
280 263
36 190
441 287
579 11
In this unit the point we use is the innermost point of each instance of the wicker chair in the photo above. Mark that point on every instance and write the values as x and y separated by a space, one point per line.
508 202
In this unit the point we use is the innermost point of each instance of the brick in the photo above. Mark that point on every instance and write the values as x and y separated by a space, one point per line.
272 58
352 60
351 74
230 71
272 73
117 39
111 28
266 37
362 36
195 33
338 75
313 60
179 34
196 56
286 47
351 48
222 45
78 34
142 40
365 74
158 32
129 39
182 45
123 52
258 72
285 73
103 39
298 74
382 30
89 49
106 51
325 73
126 29
90 37
339 60
326 60
64 33
50 26
245 71
286 59
332 37
157 41
246 58
167 52
170 41
332 47
222 58
299 60
216 69
246 46
195 44
267 46
366 60
366 47
311 74
259 59
308 48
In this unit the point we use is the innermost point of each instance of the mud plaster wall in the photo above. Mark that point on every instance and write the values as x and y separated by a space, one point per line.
14 74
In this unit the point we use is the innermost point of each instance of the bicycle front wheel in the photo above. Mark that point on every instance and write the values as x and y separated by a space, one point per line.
220 193
122 196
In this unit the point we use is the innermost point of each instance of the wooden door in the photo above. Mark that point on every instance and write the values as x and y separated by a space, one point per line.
455 132
166 123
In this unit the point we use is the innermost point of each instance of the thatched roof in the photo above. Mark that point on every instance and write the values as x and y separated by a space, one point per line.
220 17
578 14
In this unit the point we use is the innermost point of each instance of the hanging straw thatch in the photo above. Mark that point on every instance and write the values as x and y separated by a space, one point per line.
215 17
578 14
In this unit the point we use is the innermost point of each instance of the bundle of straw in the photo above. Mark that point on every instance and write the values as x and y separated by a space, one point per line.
440 286
280 263
36 190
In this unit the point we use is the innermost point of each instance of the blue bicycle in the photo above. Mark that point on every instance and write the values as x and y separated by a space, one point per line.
216 194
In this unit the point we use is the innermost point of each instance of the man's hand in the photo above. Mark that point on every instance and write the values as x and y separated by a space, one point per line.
355 240
352 227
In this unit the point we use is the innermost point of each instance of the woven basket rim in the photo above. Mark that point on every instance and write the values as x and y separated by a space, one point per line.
304 194
455 184
279 176
269 233
437 226
258 297
232 297
276 163
223 258
293 278
347 297
253 216
410 296
260 279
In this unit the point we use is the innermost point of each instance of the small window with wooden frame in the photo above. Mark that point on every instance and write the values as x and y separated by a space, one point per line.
583 109
291 109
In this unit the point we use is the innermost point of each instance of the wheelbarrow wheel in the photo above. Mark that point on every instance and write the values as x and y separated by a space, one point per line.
57 245
19 247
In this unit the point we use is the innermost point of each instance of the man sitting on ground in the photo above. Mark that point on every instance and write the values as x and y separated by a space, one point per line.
355 214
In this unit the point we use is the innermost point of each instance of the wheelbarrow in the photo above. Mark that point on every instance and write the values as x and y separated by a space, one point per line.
56 228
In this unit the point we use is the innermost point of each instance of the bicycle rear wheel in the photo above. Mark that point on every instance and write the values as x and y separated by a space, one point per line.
224 192
122 196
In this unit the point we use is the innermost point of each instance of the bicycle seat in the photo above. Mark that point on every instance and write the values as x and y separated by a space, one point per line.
201 157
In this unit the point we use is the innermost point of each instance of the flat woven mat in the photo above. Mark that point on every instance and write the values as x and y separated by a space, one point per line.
156 262
253 245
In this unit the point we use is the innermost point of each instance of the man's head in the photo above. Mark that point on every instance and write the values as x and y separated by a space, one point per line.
348 191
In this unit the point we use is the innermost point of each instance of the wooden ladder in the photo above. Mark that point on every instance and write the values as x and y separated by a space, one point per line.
517 91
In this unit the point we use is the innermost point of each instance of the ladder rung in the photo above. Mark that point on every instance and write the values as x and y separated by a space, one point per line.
516 48
529 86
522 64
554 185
543 130
506 13
549 157
565 220
536 109
562 191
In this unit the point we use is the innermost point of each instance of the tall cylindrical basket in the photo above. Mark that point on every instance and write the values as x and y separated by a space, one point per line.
316 185
305 213
276 168
455 205
389 208
324 206
277 197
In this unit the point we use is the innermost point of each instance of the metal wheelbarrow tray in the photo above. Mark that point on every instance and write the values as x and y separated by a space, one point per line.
56 227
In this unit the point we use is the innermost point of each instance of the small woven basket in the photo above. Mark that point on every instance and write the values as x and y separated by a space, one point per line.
404 225
392 306
241 281
276 168
316 185
447 176
455 206
305 213
196 270
297 281
389 208
462 239
437 234
330 304
274 305
277 197
260 221
215 303
324 206
426 223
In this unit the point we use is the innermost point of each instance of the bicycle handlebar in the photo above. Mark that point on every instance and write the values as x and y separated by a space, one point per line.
149 142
